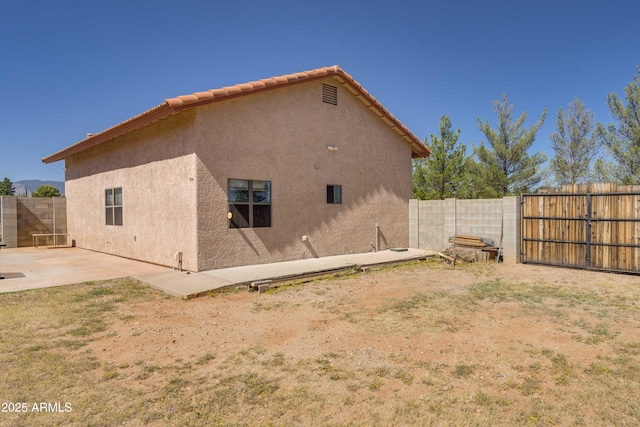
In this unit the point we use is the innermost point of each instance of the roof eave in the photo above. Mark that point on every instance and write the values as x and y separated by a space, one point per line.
174 105
418 148
154 114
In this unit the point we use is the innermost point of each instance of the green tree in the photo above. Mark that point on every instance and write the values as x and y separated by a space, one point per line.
480 180
506 166
623 141
7 188
604 171
46 191
442 174
574 144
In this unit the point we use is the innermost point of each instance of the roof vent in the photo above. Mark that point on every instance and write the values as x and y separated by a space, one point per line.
89 135
329 94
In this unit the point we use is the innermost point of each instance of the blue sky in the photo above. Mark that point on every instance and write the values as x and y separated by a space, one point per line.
72 67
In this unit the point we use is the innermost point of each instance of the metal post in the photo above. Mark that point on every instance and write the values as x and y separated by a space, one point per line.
522 232
1 219
53 207
588 254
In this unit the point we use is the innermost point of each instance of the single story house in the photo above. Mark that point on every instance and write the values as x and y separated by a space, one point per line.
301 165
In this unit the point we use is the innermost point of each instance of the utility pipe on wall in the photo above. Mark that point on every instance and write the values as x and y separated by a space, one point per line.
377 233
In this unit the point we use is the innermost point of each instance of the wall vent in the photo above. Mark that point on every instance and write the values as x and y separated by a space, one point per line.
329 94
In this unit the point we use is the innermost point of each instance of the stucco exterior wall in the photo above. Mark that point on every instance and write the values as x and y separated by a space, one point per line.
282 136
156 168
174 175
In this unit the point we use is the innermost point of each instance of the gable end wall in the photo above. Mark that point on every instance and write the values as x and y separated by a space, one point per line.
155 166
282 136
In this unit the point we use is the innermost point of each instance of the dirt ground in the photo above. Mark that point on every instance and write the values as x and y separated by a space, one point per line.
312 319
387 347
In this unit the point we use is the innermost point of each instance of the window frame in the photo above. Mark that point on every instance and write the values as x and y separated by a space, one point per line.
113 206
253 213
334 194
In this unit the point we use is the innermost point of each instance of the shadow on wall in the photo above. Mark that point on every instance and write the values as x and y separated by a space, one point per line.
353 222
248 241
382 238
284 137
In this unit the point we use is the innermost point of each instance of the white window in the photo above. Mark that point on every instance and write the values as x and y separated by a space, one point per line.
113 206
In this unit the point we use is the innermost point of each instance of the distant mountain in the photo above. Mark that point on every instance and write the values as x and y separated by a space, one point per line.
28 186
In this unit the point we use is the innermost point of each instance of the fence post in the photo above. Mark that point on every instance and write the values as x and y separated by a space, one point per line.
588 254
414 223
511 229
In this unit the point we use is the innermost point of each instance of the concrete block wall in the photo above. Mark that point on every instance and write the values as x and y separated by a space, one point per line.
511 237
9 221
432 222
22 217
39 215
427 222
479 217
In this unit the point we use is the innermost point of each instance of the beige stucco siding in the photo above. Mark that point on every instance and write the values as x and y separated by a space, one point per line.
156 168
282 136
174 175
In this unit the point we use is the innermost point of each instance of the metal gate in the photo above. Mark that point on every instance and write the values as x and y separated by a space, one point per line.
598 231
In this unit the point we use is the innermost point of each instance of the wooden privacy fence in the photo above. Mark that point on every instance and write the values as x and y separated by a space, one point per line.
593 226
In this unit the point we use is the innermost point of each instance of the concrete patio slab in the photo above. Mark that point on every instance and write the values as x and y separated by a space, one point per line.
32 268
189 285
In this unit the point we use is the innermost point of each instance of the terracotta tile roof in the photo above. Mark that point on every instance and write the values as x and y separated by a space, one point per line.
174 105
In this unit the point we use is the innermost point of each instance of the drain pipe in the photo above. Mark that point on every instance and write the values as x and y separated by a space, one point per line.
377 239
178 257
305 239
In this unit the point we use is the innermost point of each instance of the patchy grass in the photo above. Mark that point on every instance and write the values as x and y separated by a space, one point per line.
463 371
443 356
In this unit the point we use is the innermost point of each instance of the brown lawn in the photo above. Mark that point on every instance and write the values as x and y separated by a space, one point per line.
418 344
